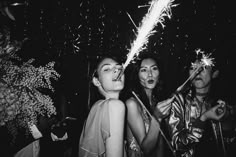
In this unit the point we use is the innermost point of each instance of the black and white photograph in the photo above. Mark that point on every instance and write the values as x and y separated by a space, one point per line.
117 78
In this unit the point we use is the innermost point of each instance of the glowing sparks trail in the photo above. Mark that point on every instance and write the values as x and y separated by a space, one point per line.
157 11
204 61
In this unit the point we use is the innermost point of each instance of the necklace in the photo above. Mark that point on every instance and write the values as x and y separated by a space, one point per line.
202 94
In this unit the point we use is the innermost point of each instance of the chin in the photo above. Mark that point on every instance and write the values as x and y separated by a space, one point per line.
119 87
150 86
199 85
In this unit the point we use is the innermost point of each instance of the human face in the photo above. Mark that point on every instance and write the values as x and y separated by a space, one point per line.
148 73
108 71
203 79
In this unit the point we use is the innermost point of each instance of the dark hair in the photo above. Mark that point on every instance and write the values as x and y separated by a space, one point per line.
133 81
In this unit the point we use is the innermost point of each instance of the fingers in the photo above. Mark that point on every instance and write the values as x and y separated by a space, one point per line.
168 101
220 108
164 106
165 103
220 111
216 112
166 109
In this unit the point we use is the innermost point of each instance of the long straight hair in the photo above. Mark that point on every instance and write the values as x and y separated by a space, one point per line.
133 83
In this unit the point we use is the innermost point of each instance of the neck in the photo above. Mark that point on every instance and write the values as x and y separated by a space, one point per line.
201 94
149 95
202 91
112 95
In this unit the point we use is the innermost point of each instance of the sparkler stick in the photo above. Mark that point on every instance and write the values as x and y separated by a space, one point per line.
190 78
162 133
222 141
157 11
205 61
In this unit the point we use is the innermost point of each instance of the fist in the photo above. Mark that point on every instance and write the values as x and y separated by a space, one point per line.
163 108
216 112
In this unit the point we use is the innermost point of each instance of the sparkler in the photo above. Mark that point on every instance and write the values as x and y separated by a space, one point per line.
157 11
205 61
162 133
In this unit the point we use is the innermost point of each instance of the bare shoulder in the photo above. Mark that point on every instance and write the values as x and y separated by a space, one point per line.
117 105
132 103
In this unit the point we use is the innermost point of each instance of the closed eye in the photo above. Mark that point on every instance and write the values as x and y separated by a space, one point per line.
107 69
143 70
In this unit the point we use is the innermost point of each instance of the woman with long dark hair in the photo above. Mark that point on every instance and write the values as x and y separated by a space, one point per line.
143 138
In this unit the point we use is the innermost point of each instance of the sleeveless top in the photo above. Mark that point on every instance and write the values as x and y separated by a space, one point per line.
133 148
96 130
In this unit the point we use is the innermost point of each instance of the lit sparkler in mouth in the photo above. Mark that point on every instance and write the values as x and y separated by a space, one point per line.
157 11
204 61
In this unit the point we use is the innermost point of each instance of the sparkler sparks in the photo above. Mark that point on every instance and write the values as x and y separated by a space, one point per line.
157 11
205 59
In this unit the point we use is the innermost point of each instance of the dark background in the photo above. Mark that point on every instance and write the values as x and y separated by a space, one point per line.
97 27
74 33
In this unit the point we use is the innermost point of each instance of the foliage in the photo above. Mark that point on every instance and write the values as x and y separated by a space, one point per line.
21 86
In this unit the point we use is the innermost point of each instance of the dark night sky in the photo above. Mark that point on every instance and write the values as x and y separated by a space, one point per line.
103 26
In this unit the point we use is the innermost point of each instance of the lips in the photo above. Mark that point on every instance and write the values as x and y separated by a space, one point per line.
114 79
150 81
198 79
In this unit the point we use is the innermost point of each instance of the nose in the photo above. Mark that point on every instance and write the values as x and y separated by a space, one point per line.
149 72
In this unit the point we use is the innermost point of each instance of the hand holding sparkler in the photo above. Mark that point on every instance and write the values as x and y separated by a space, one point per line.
150 115
163 108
